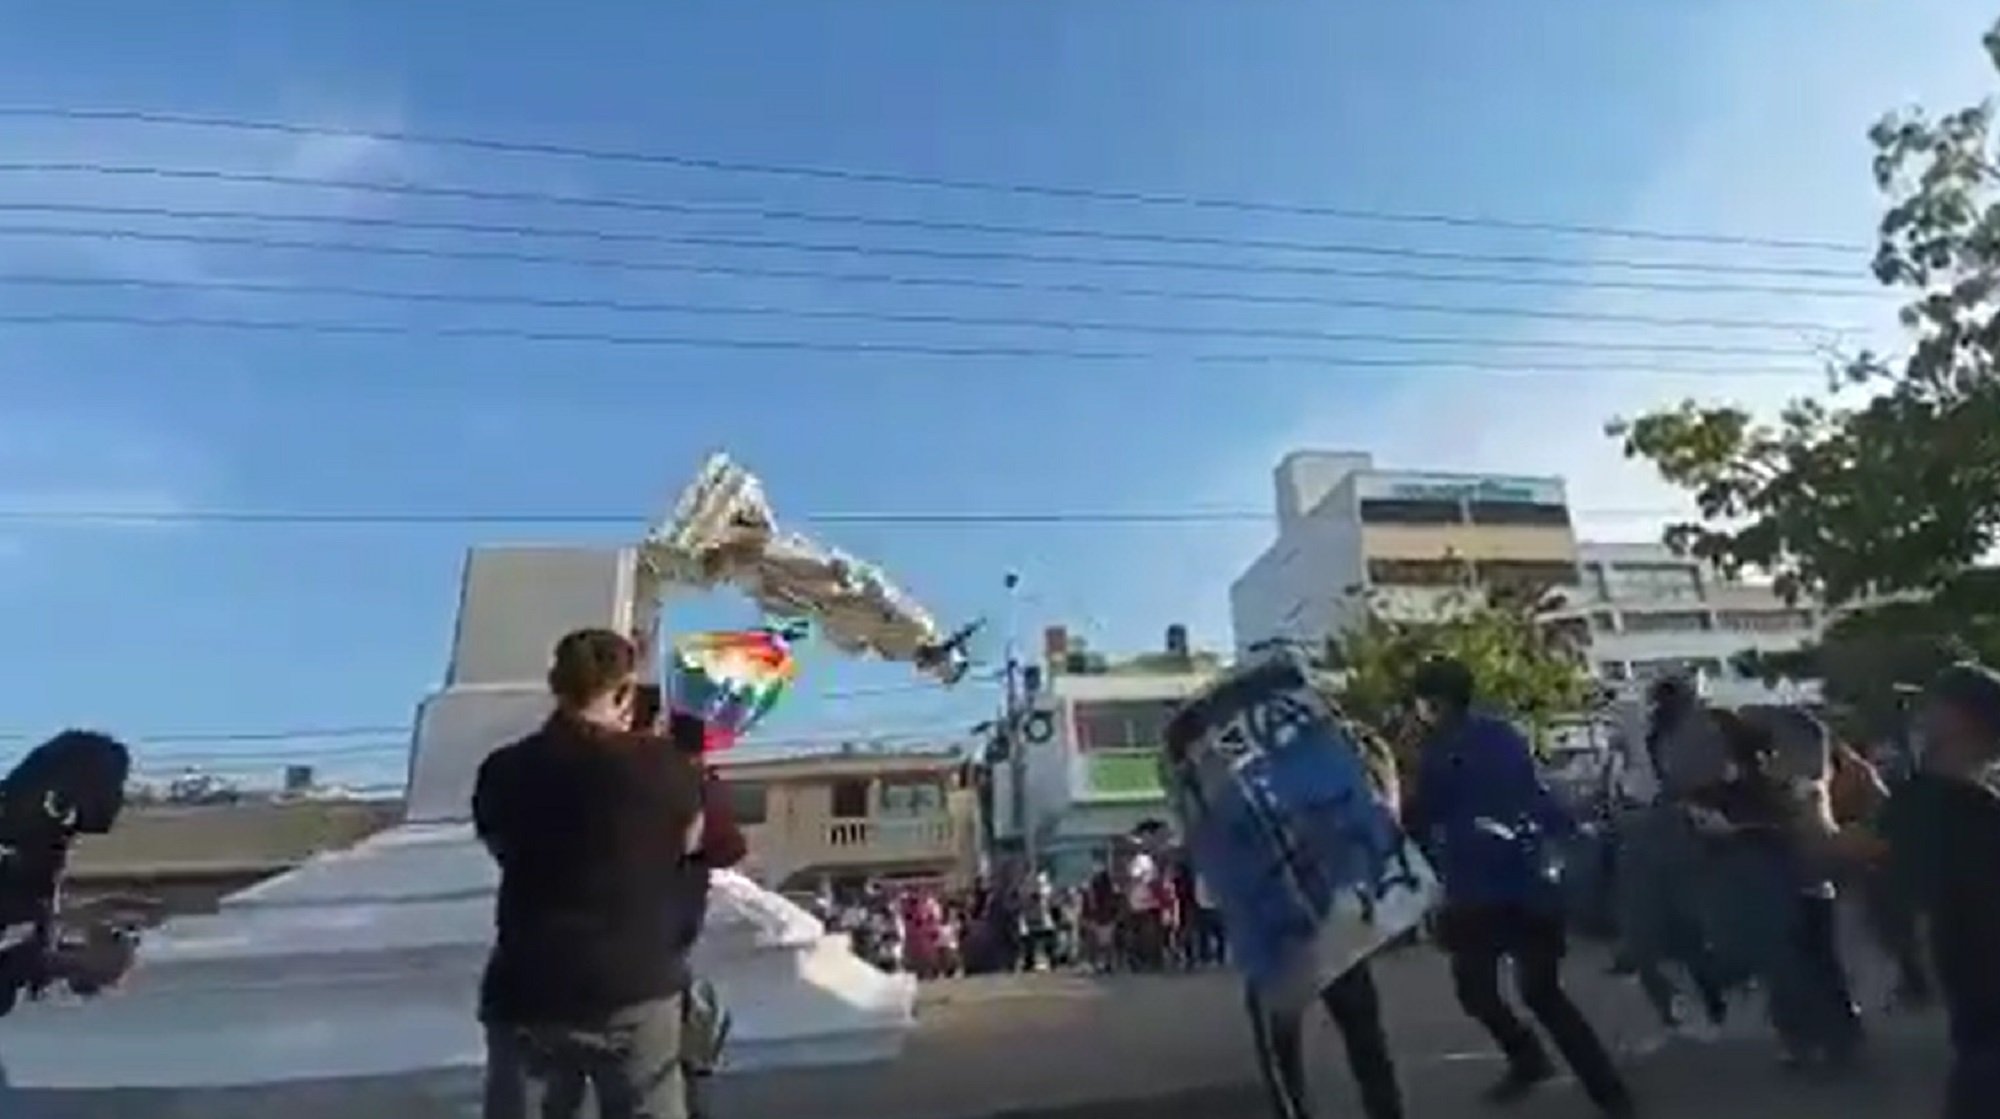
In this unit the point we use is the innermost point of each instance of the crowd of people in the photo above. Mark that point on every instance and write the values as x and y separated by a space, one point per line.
1141 909
1716 859
1725 844
1715 863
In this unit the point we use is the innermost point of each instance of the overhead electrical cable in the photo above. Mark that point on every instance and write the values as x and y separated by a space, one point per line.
468 518
646 237
500 146
1318 361
623 264
901 318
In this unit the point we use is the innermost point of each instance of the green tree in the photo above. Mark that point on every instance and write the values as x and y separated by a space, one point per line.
1867 660
1899 491
1525 668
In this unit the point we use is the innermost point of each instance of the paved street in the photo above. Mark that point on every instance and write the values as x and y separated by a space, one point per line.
1170 1048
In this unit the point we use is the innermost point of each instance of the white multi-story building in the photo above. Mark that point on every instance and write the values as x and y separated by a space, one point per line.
1644 611
1090 743
1353 538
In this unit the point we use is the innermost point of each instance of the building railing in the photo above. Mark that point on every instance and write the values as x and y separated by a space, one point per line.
892 836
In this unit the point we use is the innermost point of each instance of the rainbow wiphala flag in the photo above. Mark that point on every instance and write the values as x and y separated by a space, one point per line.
729 679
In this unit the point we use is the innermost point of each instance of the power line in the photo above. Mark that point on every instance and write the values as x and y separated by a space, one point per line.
209 738
885 178
341 328
964 519
220 759
308 737
904 318
1254 299
962 256
641 237
149 764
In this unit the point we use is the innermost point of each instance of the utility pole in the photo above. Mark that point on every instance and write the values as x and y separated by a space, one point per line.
1010 726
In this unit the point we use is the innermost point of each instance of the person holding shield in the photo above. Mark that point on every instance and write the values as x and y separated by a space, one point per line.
1351 999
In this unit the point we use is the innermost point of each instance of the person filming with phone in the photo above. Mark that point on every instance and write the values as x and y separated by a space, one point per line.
592 824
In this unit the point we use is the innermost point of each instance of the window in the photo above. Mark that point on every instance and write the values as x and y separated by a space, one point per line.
1122 724
1614 670
850 799
1604 621
912 797
1527 574
1764 621
1417 573
1390 512
1593 579
1652 580
1517 513
749 802
1675 666
1671 621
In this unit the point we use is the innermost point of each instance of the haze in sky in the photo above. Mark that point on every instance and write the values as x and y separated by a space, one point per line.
853 380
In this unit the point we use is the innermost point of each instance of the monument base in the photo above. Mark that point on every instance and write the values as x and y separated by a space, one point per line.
366 962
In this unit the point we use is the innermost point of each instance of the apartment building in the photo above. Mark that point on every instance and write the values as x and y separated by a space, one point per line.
1090 739
855 814
1642 611
1406 543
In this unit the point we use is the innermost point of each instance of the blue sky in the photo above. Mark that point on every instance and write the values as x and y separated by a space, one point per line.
1701 114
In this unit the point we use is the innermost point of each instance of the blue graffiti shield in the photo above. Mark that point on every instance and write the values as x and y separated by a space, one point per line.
1310 869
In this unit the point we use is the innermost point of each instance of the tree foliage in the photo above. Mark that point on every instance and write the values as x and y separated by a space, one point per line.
1524 668
1900 492
1868 660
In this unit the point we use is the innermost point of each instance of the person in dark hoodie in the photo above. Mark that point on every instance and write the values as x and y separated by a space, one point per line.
1938 839
1486 819
593 825
71 785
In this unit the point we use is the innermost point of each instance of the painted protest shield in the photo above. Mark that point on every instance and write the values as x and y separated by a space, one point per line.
1309 867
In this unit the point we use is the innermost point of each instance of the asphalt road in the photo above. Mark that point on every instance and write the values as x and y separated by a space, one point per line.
1173 1047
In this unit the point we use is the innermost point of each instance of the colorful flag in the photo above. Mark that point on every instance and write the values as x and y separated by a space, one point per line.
729 679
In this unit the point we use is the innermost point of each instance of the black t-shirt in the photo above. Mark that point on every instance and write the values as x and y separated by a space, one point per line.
590 829
1944 839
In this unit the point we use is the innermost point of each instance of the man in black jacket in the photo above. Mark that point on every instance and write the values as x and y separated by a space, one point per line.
1942 828
592 824
71 785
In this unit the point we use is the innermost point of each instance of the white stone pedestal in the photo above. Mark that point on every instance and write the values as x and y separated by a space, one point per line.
365 962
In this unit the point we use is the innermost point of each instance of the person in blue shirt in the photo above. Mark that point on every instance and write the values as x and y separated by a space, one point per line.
1480 810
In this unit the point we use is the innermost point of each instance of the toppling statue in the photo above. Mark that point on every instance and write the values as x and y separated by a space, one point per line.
723 532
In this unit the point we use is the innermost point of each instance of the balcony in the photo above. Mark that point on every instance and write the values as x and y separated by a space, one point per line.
915 837
799 839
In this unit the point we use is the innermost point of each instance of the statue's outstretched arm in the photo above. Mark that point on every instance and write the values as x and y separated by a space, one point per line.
723 533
